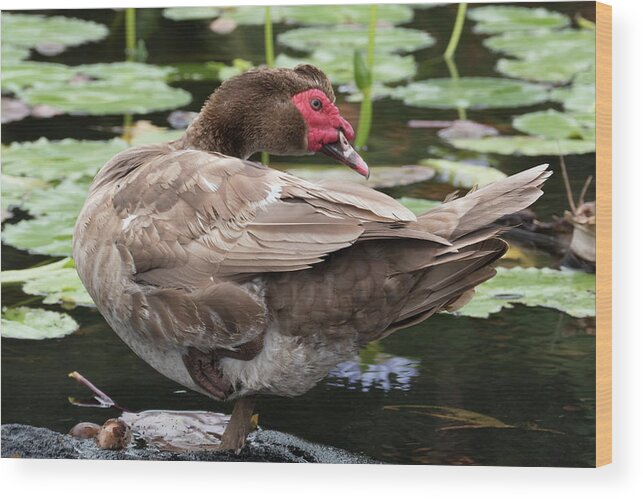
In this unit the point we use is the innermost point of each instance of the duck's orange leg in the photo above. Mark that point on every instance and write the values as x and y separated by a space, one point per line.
239 426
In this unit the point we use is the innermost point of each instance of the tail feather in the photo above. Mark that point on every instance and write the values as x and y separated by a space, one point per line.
482 207
447 275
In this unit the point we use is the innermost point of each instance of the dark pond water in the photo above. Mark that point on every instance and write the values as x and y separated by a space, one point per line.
530 368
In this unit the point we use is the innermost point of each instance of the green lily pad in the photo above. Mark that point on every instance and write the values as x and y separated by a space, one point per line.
549 56
20 74
13 53
463 175
55 160
210 71
569 291
502 18
64 200
125 71
580 97
587 122
102 97
15 189
347 39
534 45
121 87
237 67
550 69
48 235
550 124
191 13
26 323
28 30
151 134
525 145
381 176
57 282
320 14
471 93
339 68
419 206
196 71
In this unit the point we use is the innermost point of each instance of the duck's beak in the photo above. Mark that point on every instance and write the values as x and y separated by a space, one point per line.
343 152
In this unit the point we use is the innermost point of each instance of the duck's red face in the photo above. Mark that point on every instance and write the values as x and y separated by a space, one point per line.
327 131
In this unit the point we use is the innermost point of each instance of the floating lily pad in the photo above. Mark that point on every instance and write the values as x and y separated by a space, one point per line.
48 235
237 67
109 97
526 145
534 45
195 71
64 200
419 206
26 323
320 14
52 160
463 175
549 56
143 132
550 124
381 176
551 69
580 97
28 30
18 75
339 68
346 39
57 282
587 122
14 190
569 291
125 71
13 53
502 18
471 93
191 13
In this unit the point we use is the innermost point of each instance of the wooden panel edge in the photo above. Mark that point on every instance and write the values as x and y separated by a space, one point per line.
603 234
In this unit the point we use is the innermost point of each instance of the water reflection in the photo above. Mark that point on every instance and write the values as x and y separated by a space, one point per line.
388 373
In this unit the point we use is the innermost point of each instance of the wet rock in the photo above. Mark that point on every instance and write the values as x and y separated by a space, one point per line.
22 441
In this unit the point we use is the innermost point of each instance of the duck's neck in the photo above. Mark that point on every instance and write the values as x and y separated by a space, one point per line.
214 132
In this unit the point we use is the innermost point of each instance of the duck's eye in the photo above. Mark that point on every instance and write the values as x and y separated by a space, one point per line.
316 104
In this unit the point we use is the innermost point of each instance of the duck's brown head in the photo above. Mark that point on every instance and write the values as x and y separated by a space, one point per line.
279 111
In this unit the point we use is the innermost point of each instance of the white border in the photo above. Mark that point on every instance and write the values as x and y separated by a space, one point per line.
31 478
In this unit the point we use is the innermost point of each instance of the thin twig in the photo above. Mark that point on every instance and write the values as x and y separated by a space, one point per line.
101 397
568 187
581 198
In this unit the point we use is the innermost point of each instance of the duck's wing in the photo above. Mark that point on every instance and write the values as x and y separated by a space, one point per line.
190 216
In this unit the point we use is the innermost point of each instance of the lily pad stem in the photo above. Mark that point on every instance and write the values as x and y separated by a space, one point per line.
457 31
270 60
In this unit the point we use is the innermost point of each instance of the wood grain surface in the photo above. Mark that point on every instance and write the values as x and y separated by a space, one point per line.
603 234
